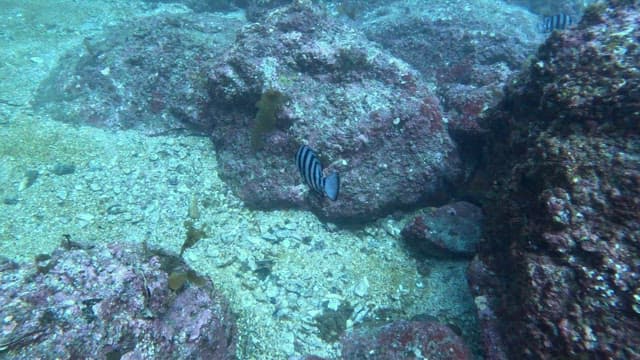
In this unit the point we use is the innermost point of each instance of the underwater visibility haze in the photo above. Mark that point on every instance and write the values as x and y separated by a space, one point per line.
300 180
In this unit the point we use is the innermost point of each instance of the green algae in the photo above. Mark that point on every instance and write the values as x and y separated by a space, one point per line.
265 121
192 237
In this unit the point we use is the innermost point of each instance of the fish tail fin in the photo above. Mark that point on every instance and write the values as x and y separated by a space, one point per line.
541 26
332 186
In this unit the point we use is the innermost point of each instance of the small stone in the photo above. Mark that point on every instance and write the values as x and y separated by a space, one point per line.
94 165
194 212
30 177
272 292
63 169
362 288
333 304
10 200
270 237
61 194
85 217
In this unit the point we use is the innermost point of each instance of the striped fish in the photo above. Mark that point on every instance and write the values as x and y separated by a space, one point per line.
311 170
556 22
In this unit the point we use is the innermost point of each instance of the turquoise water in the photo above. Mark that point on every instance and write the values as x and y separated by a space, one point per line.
97 185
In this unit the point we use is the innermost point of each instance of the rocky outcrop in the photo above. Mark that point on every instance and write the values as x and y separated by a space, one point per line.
368 115
405 340
111 301
563 218
467 49
149 74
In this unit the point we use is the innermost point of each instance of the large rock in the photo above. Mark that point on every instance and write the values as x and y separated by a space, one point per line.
563 225
367 114
467 48
110 302
405 340
149 74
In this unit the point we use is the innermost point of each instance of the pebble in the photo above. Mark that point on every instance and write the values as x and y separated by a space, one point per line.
115 209
272 292
359 313
85 217
63 169
333 304
94 165
272 238
61 194
30 177
362 288
10 200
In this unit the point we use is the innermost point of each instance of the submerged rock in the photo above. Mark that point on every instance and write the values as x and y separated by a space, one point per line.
368 115
110 301
452 231
405 340
467 48
148 74
563 218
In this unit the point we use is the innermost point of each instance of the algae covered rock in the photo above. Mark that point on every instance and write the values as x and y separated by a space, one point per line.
563 216
148 74
405 340
452 231
111 301
367 114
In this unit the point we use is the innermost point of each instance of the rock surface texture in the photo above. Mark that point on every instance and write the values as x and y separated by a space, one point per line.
149 74
452 231
368 115
561 265
467 49
296 77
405 340
111 301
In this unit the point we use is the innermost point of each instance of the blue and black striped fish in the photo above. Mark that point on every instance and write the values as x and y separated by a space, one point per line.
556 22
312 173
